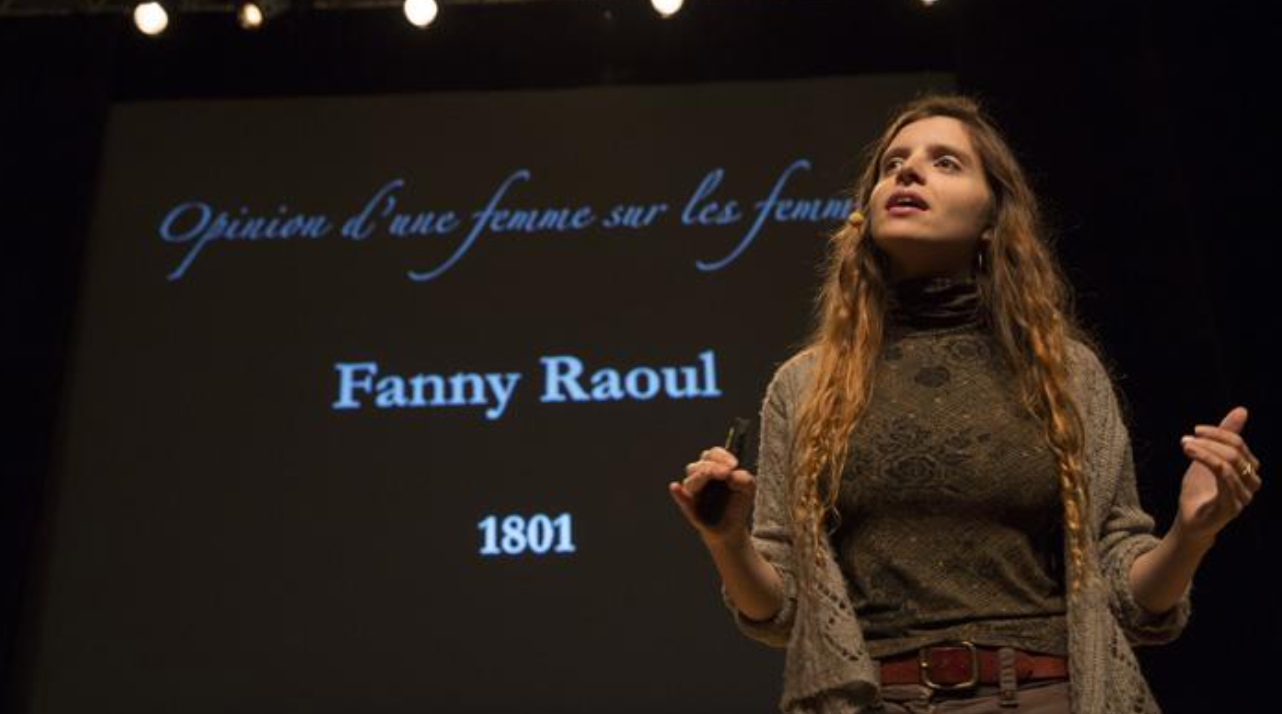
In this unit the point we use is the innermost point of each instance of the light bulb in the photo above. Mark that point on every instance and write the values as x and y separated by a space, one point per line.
150 18
667 8
420 13
250 16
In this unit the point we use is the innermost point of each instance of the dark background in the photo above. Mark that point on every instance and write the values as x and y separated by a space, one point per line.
1143 125
219 526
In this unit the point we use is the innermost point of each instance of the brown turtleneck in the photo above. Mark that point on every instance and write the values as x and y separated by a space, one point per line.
950 512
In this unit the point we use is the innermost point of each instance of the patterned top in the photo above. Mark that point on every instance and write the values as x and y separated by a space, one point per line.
950 510
828 668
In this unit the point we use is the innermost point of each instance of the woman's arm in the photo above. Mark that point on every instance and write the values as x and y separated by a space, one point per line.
1160 576
1219 483
750 583
758 584
751 544
1125 529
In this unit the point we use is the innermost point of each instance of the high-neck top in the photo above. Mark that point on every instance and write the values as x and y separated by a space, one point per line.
829 665
949 506
932 303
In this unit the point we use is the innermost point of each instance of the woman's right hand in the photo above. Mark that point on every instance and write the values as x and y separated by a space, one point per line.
717 464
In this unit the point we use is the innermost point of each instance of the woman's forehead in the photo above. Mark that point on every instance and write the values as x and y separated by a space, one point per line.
938 131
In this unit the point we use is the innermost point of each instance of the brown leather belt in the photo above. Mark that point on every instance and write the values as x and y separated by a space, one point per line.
964 665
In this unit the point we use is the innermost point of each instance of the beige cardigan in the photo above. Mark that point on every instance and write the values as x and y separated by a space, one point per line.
827 669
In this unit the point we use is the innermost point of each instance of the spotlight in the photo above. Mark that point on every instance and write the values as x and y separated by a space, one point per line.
253 15
420 13
667 8
151 18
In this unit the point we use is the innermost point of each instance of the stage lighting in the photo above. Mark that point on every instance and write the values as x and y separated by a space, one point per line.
667 8
420 13
252 15
249 15
151 18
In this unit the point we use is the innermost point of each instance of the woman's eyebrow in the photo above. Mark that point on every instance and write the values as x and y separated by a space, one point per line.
933 149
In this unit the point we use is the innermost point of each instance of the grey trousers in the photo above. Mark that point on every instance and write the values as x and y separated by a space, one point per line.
1040 697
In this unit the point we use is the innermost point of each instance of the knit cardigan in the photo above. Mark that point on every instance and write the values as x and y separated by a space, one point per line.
827 669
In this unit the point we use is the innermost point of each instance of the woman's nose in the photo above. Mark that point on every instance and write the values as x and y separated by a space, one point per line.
908 173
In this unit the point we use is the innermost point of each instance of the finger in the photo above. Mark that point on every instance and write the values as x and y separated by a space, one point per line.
708 465
1229 453
1235 420
1238 497
1253 482
1219 434
684 501
695 466
695 482
1225 436
1235 459
717 470
1232 493
1221 468
741 481
722 456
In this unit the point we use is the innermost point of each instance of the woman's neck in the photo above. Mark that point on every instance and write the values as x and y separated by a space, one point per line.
929 302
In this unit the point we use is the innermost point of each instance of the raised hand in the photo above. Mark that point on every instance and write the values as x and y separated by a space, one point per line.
1222 479
716 464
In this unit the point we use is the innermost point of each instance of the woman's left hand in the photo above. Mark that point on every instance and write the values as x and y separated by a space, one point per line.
1222 479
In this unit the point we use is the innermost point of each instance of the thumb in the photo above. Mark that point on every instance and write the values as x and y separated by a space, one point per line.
1235 420
684 502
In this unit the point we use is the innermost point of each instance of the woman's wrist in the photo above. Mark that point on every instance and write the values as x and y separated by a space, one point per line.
1159 577
1183 540
728 542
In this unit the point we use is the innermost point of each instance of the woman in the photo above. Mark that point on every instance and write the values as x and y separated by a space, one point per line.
945 515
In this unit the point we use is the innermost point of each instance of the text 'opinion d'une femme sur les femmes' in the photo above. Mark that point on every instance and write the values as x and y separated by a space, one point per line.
197 225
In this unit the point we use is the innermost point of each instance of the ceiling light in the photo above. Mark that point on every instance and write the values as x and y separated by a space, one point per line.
421 13
151 18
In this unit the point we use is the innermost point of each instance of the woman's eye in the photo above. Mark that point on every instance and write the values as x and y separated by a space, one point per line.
947 161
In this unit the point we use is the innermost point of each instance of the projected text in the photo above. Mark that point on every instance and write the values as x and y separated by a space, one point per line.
538 535
564 378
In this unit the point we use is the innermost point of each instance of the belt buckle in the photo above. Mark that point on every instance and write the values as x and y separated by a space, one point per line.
923 661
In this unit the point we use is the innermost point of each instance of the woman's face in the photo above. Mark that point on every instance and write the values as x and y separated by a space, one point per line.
932 169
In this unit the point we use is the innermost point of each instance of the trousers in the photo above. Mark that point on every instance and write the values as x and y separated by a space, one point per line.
1040 697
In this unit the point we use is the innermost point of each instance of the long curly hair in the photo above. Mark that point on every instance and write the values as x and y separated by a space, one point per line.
1028 304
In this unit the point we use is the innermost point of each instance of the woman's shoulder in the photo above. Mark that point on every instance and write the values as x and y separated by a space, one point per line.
793 372
1083 358
1099 396
1087 366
